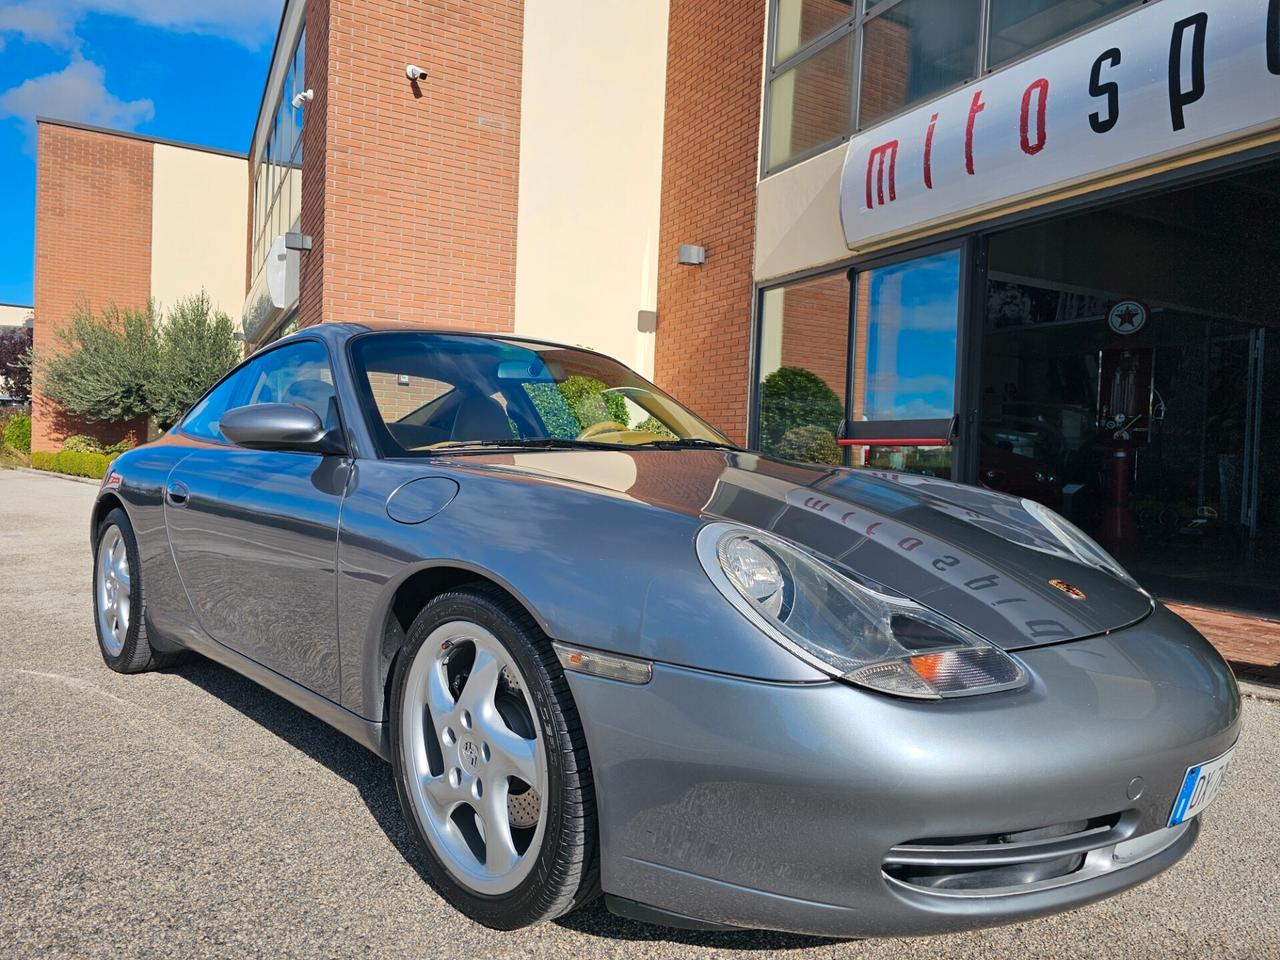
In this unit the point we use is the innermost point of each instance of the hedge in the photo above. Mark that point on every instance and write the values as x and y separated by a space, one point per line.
70 462
17 432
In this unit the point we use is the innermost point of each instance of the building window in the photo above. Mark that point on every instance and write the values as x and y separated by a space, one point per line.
838 66
804 368
278 162
913 50
1019 26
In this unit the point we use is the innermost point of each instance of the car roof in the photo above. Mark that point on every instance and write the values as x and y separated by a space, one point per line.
341 331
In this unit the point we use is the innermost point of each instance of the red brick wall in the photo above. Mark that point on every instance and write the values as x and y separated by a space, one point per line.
418 218
315 142
815 329
709 165
93 244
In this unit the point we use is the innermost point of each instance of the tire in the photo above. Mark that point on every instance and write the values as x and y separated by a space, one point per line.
125 649
450 645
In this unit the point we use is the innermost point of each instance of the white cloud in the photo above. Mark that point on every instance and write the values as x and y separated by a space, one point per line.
250 22
78 92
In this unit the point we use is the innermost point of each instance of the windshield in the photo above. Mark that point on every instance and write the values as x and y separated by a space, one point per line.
429 393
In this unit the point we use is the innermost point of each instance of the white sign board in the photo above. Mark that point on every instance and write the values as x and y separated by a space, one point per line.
1170 78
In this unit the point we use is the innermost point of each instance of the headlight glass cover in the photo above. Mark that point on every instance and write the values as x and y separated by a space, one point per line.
845 628
1076 542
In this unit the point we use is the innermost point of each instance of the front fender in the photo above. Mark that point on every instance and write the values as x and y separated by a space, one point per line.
594 568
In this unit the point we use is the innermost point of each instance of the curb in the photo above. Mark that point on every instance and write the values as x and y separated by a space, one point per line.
1259 691
60 476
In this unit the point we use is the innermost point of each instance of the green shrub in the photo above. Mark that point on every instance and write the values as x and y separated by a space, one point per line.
570 407
794 397
808 444
655 426
73 463
79 443
17 433
116 449
589 402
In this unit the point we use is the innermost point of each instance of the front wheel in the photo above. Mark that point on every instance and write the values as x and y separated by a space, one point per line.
118 606
490 762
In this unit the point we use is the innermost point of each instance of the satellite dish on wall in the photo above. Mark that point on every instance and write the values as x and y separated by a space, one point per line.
281 271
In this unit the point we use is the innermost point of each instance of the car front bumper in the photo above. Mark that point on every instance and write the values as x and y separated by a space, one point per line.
795 806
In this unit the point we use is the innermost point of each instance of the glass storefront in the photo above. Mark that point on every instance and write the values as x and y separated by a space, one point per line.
1117 365
1129 361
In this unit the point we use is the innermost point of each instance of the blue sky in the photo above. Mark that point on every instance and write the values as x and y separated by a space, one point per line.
167 68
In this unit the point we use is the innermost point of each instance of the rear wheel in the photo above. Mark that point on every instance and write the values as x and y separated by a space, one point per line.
118 607
491 765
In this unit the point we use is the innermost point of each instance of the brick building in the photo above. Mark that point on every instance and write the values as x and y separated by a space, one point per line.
1022 243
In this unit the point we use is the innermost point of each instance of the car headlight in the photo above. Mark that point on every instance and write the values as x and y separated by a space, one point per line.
845 628
1076 542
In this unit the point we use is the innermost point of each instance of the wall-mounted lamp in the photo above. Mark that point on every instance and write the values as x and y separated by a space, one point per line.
302 97
415 73
691 255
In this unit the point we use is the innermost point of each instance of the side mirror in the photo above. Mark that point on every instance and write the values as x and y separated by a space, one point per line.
278 426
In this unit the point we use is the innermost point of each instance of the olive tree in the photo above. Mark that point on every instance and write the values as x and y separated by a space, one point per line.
100 364
122 364
195 346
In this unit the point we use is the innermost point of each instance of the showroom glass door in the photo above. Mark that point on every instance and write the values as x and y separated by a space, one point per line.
1130 373
905 332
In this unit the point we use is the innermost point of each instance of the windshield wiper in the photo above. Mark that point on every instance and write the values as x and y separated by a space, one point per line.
524 443
688 443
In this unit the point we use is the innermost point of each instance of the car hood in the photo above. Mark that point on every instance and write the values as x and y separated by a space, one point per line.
971 554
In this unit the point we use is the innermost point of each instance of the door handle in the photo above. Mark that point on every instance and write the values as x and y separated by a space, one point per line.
176 493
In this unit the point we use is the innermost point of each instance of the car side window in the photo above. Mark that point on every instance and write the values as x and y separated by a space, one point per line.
202 419
297 373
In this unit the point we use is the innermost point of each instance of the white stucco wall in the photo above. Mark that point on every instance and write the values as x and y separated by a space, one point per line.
12 315
591 118
199 226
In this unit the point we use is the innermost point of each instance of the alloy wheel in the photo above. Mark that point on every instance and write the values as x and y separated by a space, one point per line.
477 769
114 591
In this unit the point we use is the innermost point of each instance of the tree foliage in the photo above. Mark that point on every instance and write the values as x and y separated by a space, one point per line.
101 364
15 366
195 346
793 397
569 407
120 365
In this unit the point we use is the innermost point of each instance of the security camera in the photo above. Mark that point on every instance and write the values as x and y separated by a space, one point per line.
302 97
415 73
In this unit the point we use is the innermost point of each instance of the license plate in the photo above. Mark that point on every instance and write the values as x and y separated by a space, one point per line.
1199 787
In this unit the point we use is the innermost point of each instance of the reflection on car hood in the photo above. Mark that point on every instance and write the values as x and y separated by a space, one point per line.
971 554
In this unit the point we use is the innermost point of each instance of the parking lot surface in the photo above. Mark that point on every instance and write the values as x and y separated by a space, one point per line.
190 813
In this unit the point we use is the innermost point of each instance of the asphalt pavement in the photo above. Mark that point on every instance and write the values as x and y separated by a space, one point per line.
189 813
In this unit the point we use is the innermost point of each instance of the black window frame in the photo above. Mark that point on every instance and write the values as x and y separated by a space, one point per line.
853 24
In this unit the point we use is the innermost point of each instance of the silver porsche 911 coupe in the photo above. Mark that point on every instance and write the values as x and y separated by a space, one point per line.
607 651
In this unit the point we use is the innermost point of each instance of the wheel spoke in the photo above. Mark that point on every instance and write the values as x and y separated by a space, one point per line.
442 794
122 609
482 683
511 753
120 571
499 849
439 700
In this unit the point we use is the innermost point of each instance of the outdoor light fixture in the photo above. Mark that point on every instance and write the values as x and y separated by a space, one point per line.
302 97
691 255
